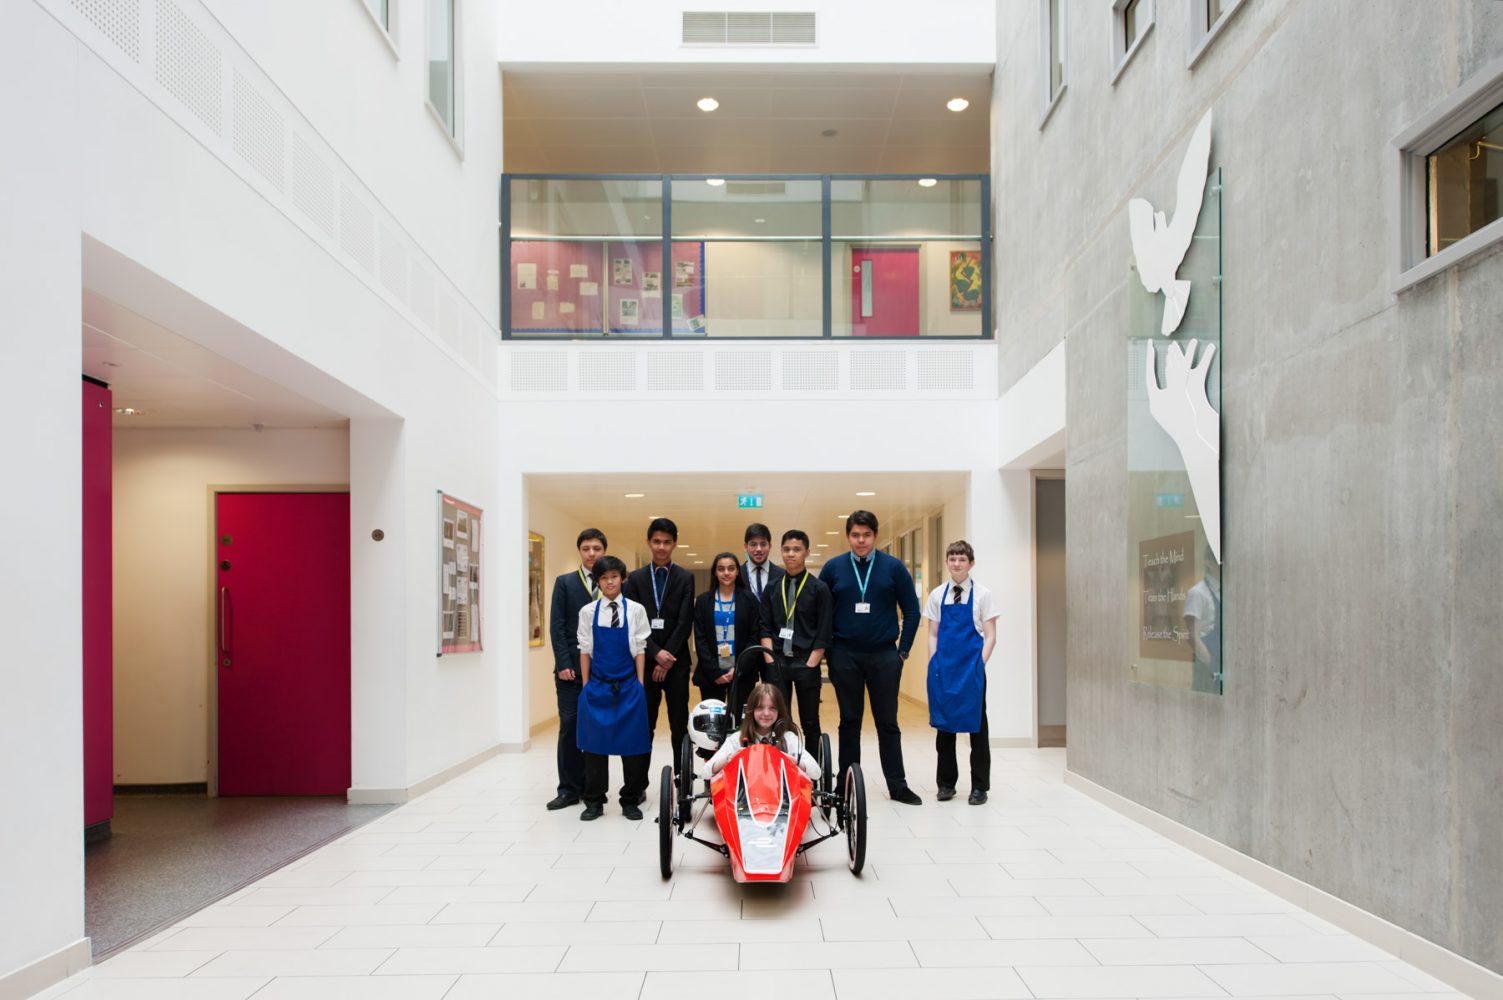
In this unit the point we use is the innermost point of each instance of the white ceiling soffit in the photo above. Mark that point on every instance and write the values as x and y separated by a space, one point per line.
704 506
174 382
771 119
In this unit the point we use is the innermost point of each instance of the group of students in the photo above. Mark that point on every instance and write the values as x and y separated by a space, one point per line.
621 646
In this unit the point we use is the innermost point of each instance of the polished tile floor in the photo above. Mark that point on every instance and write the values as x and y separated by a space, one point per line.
475 891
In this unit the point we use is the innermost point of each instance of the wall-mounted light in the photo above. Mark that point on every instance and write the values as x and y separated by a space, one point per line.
707 104
957 104
927 182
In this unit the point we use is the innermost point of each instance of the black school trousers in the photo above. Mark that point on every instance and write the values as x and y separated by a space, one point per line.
947 772
633 775
855 674
571 776
796 677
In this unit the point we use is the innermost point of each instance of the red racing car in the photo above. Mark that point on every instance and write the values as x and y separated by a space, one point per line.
763 806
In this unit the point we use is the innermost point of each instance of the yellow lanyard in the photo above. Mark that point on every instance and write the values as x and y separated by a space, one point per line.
589 586
788 615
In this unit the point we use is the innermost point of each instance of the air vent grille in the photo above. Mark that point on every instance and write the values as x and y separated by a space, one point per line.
879 370
748 27
539 371
118 20
755 189
188 64
941 370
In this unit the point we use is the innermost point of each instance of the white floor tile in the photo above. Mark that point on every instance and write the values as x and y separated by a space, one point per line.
1321 948
972 954
1117 981
166 989
364 987
245 938
361 916
1130 906
738 931
505 913
1176 951
619 932
466 961
971 906
891 928
814 985
151 964
235 916
421 877
559 986
708 959
335 896
415 936
692 910
1216 925
352 962
949 984
1237 902
1345 977
1036 927
832 955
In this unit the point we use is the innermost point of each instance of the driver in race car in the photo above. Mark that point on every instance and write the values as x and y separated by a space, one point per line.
766 721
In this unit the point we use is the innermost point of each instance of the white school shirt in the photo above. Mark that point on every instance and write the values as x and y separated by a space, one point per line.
1200 604
983 608
791 746
638 628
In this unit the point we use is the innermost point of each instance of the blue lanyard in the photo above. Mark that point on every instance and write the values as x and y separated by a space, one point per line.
856 569
657 598
725 607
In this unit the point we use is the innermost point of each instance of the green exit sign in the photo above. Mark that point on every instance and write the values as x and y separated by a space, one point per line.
749 501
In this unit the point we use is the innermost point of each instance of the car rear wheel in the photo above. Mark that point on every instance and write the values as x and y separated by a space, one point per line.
666 822
855 818
685 780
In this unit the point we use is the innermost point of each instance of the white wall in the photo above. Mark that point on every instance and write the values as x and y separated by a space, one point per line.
559 556
163 555
850 31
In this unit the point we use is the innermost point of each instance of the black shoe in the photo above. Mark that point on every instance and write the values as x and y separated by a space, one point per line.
641 799
631 812
907 796
592 811
563 801
945 794
977 797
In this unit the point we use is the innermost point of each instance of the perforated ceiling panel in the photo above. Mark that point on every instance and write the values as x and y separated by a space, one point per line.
743 370
941 370
748 27
539 371
607 371
258 132
879 370
117 20
811 371
188 65
357 229
675 371
312 185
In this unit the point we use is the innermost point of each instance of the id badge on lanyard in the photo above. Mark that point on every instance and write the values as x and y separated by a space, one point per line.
863 607
657 624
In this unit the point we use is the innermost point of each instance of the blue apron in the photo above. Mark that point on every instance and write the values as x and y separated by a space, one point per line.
957 674
613 706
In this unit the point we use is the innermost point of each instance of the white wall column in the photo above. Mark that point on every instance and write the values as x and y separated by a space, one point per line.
1005 502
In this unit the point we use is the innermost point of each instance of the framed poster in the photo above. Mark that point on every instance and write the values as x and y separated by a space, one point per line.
965 280
534 589
459 548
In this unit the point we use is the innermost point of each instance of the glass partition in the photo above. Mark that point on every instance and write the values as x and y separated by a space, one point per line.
748 257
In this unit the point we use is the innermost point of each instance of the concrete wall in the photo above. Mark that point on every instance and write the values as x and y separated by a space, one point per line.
163 534
1357 746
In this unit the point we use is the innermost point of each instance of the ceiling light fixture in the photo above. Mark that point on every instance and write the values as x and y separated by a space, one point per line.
832 532
821 545
759 220
634 496
866 493
927 182
957 104
128 411
707 103
715 182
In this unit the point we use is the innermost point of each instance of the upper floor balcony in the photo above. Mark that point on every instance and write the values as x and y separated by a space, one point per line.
791 256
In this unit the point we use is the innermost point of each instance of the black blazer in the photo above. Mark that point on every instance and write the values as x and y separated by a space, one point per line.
748 614
569 599
677 611
774 574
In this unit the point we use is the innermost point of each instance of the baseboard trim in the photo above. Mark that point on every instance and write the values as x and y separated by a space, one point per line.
174 788
1447 966
398 796
97 832
541 727
49 970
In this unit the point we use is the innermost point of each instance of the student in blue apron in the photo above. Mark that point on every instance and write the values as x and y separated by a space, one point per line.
962 633
612 719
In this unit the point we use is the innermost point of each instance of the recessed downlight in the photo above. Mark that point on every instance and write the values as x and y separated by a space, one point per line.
927 182
715 182
707 104
634 496
821 545
867 493
759 220
957 104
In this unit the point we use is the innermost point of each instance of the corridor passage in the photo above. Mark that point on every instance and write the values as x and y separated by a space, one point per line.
474 891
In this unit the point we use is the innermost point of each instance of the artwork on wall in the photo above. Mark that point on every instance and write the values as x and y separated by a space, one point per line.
534 589
458 576
1174 431
965 280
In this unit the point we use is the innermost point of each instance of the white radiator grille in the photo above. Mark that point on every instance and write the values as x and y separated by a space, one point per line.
748 27
539 371
675 372
312 185
188 65
607 371
258 132
879 370
743 370
940 370
357 229
117 20
811 371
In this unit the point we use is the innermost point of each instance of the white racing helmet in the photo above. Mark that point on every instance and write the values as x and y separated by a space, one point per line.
709 724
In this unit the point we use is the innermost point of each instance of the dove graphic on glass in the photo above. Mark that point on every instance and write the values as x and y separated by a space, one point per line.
1181 406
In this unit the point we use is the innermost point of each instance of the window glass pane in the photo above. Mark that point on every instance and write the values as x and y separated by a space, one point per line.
905 208
379 8
441 59
755 209
1056 53
906 288
1129 24
594 208
725 288
1465 179
1214 10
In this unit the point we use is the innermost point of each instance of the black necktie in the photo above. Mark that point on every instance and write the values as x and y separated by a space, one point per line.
759 581
615 616
959 592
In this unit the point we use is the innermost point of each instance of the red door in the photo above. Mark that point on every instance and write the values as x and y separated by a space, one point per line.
884 292
283 642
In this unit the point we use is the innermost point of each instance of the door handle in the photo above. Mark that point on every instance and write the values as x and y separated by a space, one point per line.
224 626
866 289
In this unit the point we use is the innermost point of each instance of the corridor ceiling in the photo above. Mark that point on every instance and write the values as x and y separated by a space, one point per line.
770 120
